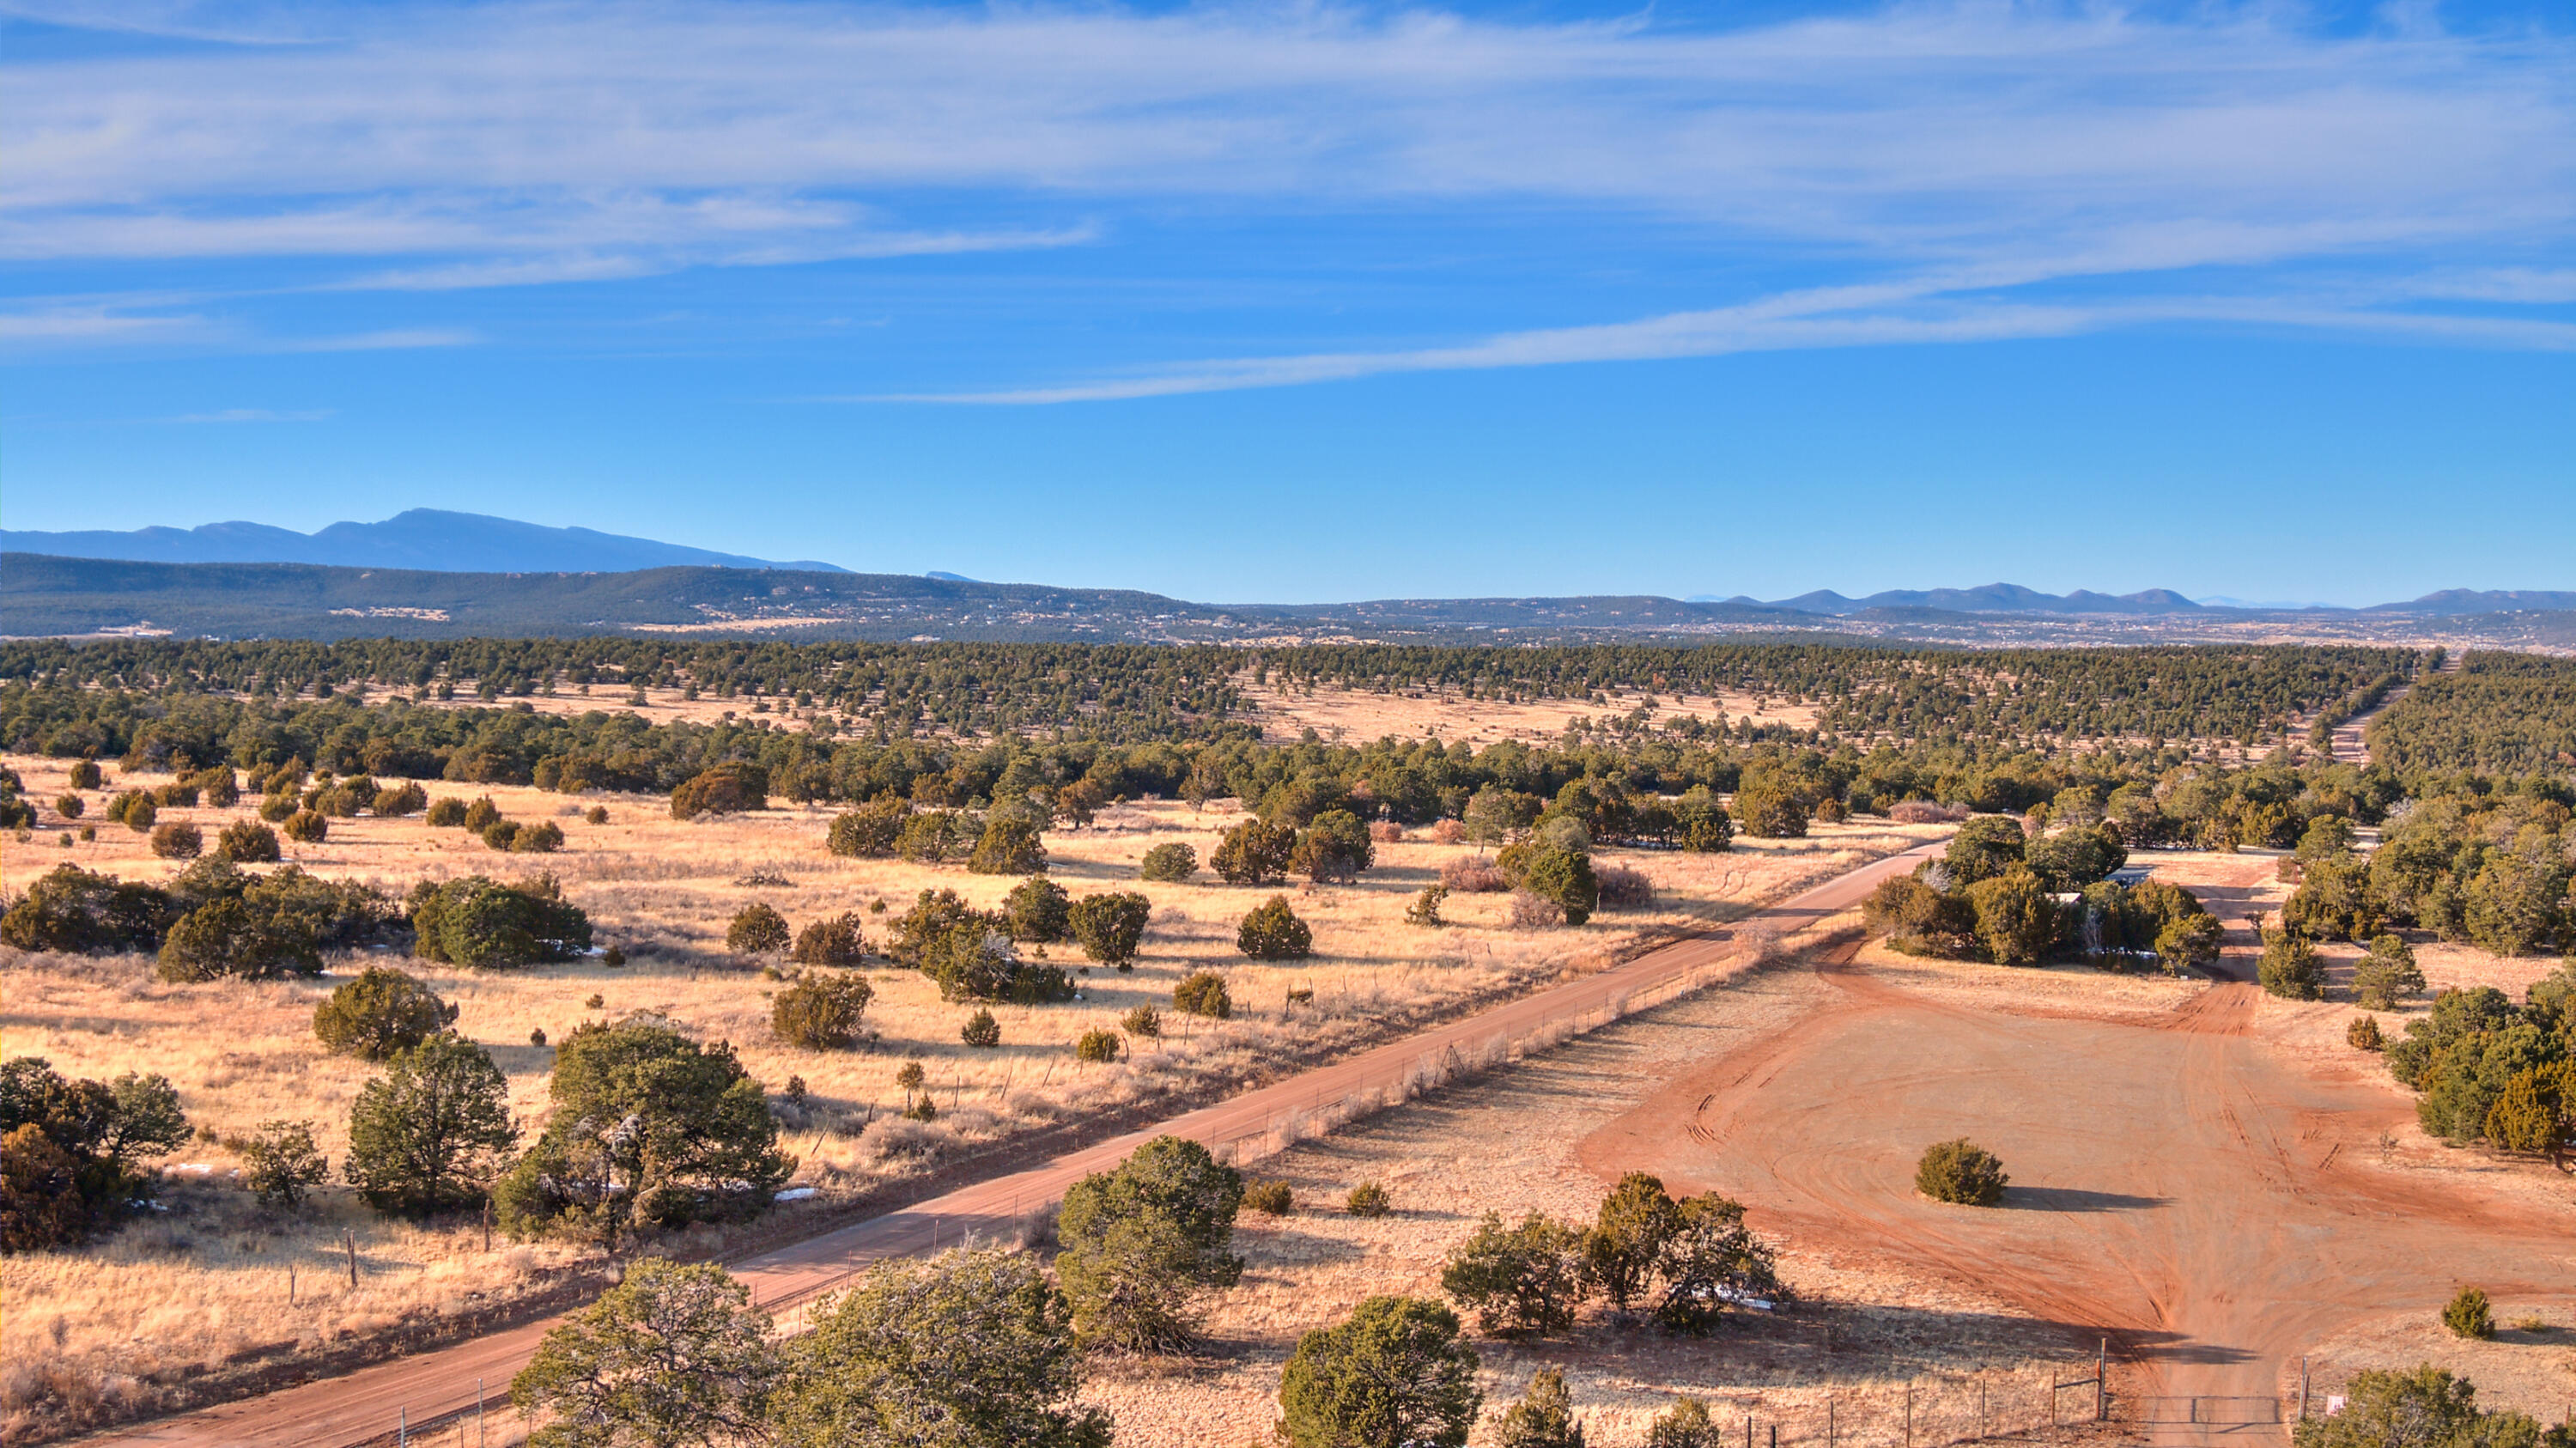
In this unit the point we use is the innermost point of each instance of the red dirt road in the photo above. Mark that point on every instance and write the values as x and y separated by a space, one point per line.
440 1384
2174 1185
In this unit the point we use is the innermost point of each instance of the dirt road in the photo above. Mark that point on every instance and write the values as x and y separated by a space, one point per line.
2347 742
2174 1184
438 1385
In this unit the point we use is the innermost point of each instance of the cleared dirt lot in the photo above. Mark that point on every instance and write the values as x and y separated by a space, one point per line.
1515 1141
2187 1178
2194 1178
1358 714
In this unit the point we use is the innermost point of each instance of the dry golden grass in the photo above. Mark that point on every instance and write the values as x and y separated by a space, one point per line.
2534 1371
1358 714
241 1053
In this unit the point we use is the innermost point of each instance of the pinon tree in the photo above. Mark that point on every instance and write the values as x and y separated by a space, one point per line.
723 789
1772 807
673 1356
1543 1418
1335 846
2015 918
1394 1373
1523 1279
1170 863
832 940
1983 849
1039 910
820 1011
649 1127
432 1132
1009 846
380 1014
1254 852
1629 1238
1961 1172
970 1349
2536 1112
479 922
1272 931
70 1150
1111 926
757 929
1563 877
1143 1243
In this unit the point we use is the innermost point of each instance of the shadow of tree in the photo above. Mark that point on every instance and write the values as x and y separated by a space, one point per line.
2076 1199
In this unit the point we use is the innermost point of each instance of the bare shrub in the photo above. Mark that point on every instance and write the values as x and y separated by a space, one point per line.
1760 942
1449 832
891 1137
1925 812
1386 832
1534 912
1473 875
1622 888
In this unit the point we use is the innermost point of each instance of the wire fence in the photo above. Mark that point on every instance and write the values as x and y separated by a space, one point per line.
483 1426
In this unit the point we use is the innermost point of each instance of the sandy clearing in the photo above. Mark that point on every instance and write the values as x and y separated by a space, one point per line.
2177 1180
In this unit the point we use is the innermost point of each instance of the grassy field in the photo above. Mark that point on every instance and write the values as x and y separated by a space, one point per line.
209 1278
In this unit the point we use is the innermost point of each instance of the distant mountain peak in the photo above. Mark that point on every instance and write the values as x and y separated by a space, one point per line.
431 539
1987 598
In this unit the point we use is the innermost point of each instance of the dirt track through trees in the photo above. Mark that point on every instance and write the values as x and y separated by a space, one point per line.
2175 1183
437 1385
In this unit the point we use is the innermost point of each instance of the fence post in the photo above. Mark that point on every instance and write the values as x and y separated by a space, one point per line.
478 1413
402 1427
1829 1423
1909 1415
2303 1387
2102 1383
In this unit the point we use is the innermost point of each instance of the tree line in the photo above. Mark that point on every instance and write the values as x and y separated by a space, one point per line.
1136 692
1407 780
2498 714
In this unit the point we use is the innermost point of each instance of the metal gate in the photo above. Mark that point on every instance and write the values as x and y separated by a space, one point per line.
2200 1416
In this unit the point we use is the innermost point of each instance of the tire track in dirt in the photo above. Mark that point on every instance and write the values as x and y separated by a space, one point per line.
2163 1186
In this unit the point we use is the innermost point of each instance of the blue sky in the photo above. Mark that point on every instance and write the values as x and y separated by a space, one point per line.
1317 302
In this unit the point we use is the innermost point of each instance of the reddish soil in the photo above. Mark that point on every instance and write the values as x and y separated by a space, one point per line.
2176 1183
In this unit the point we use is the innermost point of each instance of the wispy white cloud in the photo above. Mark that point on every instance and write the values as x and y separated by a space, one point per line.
580 124
250 414
392 339
78 326
1838 317
596 266
70 329
1985 146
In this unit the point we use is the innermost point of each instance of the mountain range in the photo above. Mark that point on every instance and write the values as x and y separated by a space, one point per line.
429 571
430 539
